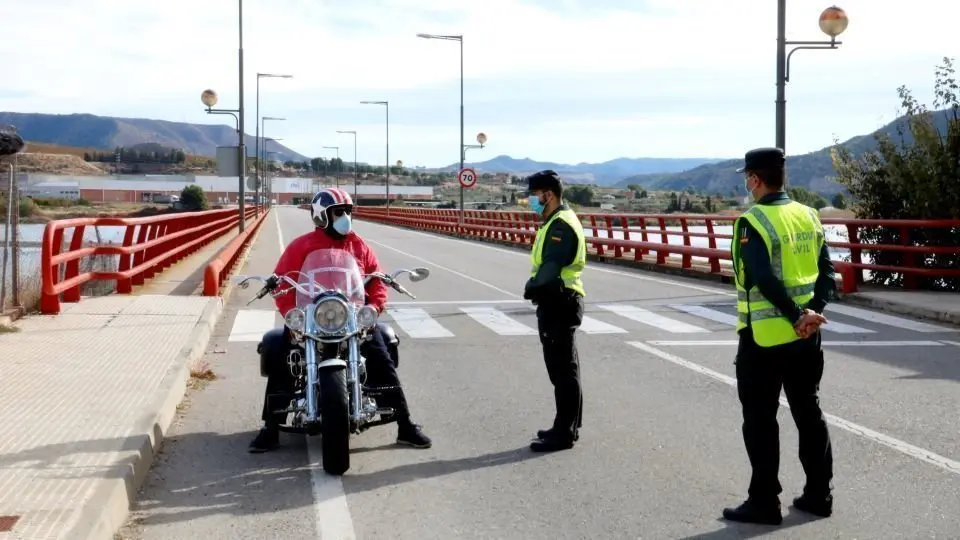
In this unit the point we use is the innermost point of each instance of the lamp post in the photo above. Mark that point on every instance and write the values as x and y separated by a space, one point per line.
339 164
260 175
263 147
355 173
265 153
833 22
209 98
386 104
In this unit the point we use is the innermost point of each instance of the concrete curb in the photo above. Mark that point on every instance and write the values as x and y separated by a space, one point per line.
109 507
854 298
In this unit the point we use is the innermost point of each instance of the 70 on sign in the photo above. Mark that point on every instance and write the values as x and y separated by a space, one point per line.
467 177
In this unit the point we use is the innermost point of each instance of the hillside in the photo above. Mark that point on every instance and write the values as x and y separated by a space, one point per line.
813 171
603 174
107 133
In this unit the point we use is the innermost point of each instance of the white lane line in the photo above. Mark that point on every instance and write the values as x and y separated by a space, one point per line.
251 324
889 320
417 323
907 449
653 319
451 270
498 321
329 501
733 342
706 313
954 343
841 328
459 302
332 514
589 325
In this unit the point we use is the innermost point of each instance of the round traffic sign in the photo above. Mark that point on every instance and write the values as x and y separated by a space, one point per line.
467 177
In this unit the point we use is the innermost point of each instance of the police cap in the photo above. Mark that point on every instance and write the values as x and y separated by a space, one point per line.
546 180
763 159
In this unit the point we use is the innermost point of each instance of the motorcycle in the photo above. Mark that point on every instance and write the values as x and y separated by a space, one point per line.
326 328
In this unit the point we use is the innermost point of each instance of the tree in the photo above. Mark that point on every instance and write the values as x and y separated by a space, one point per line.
193 198
919 180
582 195
839 201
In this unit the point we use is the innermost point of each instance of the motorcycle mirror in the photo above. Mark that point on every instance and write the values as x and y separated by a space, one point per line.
419 274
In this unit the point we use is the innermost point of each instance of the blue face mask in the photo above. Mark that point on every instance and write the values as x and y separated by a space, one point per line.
342 224
535 204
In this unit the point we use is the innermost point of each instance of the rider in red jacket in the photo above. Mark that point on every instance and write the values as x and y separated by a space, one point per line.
331 212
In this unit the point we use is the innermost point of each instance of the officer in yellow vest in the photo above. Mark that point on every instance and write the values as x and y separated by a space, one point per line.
784 278
555 287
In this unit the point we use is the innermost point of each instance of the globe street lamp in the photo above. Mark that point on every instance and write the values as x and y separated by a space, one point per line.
355 174
209 98
387 162
833 22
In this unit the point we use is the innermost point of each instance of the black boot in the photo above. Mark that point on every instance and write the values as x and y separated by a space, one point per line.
411 434
819 506
547 433
268 439
751 511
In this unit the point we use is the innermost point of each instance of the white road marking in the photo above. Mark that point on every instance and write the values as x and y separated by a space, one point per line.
706 313
733 342
589 325
841 328
889 320
451 270
329 501
498 321
333 520
449 302
417 323
251 324
907 449
653 319
954 343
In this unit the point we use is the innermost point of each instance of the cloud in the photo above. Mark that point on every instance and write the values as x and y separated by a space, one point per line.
556 80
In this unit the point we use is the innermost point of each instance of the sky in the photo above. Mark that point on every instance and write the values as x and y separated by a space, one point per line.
566 81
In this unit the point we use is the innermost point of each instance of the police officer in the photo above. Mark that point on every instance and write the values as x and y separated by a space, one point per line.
784 278
555 287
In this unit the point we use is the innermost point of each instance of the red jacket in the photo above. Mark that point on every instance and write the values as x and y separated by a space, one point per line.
296 253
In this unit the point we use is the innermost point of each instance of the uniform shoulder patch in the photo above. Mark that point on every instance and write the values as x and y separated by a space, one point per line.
555 238
744 234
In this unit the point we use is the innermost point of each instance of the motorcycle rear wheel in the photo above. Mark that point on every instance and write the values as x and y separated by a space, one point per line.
335 428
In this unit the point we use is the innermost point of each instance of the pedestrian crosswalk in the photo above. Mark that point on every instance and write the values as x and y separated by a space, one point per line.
447 321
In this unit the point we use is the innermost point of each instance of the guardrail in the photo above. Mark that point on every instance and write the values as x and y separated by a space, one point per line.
220 267
516 227
150 244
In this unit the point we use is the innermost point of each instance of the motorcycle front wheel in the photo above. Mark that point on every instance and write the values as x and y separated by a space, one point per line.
335 427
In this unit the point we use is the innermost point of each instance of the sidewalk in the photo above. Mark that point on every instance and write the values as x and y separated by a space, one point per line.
86 397
937 306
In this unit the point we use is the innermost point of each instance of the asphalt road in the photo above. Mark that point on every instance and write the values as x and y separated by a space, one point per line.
660 452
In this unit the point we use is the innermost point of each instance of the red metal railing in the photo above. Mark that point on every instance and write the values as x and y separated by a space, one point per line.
615 236
219 268
150 244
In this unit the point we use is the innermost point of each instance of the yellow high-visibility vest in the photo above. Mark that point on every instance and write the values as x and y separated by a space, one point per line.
571 273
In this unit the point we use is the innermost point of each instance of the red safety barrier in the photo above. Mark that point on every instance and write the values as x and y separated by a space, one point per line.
150 244
220 267
518 227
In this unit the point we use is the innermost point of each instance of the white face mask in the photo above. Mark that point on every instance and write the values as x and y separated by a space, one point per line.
342 224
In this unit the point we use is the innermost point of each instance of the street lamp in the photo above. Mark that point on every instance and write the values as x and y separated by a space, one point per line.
260 174
263 148
387 162
463 148
210 98
833 22
355 174
339 164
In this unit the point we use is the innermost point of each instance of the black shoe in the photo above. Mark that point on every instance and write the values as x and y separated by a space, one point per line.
818 506
752 512
268 439
551 444
412 435
546 433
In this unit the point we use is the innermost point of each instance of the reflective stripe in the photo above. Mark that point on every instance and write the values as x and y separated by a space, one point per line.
776 259
799 290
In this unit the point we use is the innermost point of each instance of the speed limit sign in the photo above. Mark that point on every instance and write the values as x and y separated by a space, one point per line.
467 177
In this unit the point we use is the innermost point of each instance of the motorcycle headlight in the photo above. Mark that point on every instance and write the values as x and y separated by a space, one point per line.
295 319
367 317
331 315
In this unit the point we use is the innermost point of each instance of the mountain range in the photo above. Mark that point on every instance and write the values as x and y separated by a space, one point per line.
107 133
813 170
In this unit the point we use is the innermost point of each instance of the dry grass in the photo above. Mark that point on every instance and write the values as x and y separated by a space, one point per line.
66 164
201 374
4 329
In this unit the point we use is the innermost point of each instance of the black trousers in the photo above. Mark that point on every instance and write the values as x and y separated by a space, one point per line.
557 322
796 367
381 372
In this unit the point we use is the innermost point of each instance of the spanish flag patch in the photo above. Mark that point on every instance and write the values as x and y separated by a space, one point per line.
556 239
